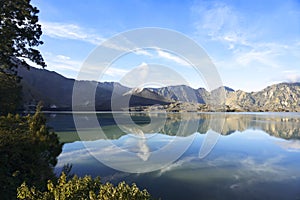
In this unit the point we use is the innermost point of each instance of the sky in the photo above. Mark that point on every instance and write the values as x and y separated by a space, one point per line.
252 44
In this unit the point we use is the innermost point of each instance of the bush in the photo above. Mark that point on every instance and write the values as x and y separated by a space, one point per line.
28 152
82 188
10 93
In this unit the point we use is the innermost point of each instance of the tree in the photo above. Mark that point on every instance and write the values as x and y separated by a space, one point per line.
19 34
28 152
10 92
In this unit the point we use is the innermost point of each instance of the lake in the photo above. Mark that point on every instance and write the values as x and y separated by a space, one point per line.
186 156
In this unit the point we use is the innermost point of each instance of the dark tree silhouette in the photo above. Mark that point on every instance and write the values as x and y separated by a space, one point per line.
28 152
19 34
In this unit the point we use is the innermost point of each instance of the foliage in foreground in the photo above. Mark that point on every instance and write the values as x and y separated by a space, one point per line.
10 93
20 33
28 152
82 188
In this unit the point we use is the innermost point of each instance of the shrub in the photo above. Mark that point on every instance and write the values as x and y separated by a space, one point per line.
28 152
82 188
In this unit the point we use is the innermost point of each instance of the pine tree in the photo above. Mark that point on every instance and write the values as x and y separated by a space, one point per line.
19 34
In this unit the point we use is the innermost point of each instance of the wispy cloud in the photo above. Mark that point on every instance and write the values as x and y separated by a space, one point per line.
116 72
293 145
62 62
76 32
172 57
246 37
291 75
219 22
176 165
255 56
70 31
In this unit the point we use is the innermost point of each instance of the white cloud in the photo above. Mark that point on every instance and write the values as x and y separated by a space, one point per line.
70 31
152 75
248 40
293 145
246 46
247 37
174 58
219 22
121 43
61 62
291 75
255 56
62 57
76 32
115 72
142 52
176 165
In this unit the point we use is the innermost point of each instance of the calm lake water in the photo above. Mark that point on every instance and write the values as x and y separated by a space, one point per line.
187 156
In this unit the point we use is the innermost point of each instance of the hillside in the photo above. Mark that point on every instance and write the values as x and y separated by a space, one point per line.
56 92
278 97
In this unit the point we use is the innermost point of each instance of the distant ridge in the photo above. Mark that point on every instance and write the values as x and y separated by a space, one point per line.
56 90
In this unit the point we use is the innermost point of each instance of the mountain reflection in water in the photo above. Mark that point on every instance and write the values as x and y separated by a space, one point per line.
249 156
282 125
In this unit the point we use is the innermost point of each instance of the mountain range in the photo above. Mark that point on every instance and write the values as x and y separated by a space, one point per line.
56 92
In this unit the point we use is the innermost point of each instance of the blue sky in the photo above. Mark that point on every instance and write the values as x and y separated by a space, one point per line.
252 43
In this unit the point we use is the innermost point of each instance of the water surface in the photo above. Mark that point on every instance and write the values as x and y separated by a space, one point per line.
188 156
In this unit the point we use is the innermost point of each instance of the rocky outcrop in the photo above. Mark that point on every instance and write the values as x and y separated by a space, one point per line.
279 97
276 98
181 93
